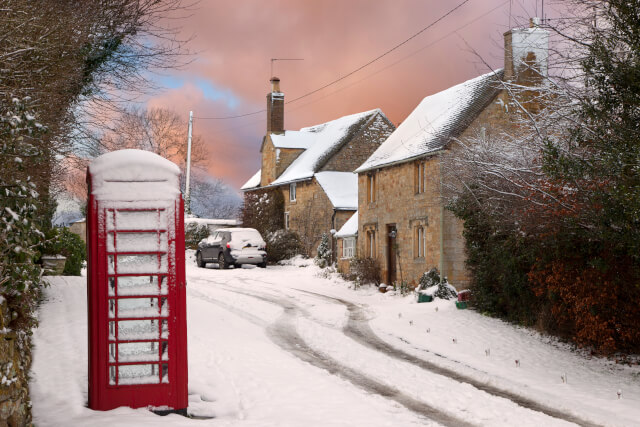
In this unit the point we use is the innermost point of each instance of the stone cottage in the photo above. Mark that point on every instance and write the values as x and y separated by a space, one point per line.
313 167
402 220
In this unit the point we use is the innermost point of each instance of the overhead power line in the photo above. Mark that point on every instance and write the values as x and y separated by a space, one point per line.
432 43
382 55
404 58
350 73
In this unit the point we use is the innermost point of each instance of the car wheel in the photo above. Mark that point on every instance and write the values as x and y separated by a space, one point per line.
262 265
222 263
199 261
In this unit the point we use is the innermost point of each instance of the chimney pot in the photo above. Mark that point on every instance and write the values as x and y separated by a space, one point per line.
275 85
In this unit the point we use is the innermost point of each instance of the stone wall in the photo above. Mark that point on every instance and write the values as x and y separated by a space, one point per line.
398 205
79 228
268 164
310 214
15 360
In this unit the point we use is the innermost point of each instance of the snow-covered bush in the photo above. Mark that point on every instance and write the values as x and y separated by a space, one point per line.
323 258
64 242
297 261
194 233
19 211
263 210
403 286
431 283
363 271
283 244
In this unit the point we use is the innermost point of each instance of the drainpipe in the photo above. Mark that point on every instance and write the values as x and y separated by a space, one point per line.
441 266
441 243
334 243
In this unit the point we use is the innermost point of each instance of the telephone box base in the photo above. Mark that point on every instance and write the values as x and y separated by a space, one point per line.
163 412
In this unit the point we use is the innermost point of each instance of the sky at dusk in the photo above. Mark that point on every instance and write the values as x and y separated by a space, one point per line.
234 40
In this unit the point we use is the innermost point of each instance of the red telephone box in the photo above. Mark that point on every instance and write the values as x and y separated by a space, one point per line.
136 283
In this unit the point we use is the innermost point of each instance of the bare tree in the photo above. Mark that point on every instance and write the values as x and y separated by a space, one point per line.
309 229
158 130
211 198
71 61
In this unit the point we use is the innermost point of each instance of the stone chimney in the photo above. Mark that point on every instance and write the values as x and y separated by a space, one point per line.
275 108
526 52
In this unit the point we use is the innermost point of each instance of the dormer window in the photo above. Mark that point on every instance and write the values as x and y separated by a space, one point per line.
292 192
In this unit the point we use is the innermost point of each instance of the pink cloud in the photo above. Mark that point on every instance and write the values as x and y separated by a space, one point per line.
235 41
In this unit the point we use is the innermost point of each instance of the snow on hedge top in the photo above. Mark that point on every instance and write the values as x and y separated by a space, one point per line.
132 175
327 137
350 228
341 188
210 221
436 120
252 182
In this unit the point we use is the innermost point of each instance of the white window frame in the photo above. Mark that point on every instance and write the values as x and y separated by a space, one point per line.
371 188
348 247
421 242
286 221
371 243
421 177
292 192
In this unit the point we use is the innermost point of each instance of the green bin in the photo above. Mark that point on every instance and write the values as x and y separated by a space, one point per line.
424 298
461 305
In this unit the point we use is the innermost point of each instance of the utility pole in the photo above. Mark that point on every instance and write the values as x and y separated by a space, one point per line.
187 195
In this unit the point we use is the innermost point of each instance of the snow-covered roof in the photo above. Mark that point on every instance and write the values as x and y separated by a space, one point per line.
341 188
134 175
329 137
252 182
293 139
350 228
435 121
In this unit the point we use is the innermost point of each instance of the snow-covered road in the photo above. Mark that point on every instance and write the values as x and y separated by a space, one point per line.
286 346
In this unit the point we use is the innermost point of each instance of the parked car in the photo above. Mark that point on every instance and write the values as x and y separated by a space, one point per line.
232 246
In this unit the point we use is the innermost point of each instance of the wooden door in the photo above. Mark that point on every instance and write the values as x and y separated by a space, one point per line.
391 253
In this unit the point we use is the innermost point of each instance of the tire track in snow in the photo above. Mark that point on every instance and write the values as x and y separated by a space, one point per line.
240 313
283 333
358 329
